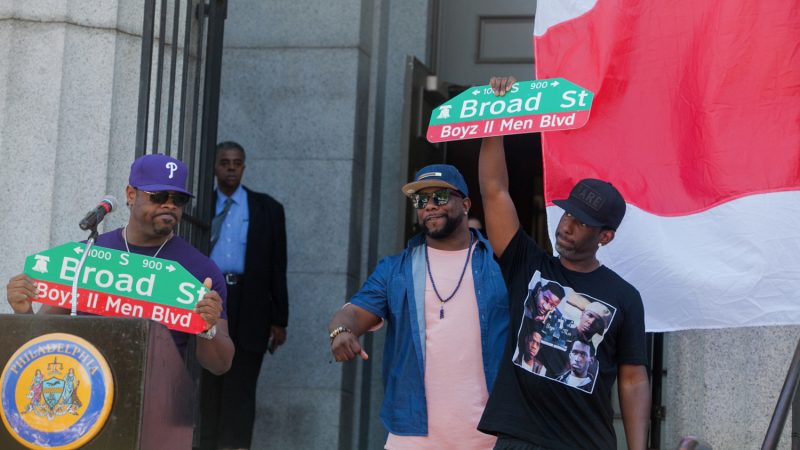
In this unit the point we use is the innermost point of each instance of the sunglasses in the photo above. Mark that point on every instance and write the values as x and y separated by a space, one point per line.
179 199
440 197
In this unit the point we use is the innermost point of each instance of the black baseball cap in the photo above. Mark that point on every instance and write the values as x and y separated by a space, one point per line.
596 203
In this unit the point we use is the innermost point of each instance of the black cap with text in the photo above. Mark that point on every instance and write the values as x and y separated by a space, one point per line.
596 203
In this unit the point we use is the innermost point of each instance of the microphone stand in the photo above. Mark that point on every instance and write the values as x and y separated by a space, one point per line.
89 243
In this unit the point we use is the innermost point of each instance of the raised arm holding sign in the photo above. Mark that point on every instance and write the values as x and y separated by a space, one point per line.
572 298
110 285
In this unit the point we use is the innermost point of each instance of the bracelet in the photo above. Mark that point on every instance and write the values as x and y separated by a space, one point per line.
337 331
209 333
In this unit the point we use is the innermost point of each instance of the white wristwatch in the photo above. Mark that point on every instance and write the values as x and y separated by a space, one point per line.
209 333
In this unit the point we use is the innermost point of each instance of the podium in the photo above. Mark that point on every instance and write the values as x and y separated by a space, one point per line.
153 395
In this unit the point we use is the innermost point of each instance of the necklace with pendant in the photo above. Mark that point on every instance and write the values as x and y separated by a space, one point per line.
442 301
125 238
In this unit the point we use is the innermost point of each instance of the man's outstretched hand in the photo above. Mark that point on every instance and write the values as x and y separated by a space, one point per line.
345 347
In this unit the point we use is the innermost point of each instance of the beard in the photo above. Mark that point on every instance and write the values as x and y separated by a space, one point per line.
565 251
164 228
450 225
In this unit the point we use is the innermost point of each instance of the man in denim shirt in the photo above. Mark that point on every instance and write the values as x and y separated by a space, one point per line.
443 299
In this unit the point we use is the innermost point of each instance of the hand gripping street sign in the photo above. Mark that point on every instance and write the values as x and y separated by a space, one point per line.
530 106
119 284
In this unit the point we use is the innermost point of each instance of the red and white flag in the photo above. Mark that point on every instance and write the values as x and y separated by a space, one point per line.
696 120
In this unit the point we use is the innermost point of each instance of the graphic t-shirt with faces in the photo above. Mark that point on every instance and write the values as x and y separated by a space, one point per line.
569 332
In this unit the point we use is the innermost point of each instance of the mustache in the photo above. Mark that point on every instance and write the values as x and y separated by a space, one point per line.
561 236
173 215
433 216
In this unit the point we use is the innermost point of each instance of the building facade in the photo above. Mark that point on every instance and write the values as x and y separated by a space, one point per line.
325 97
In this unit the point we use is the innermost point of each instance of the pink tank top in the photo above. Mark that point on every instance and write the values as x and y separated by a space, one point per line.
455 385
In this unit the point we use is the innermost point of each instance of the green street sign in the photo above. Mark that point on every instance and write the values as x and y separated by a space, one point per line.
530 106
119 284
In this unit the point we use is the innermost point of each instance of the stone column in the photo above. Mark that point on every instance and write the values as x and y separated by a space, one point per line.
722 385
68 90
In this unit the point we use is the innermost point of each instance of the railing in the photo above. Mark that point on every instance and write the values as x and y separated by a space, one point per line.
184 104
787 400
178 116
655 354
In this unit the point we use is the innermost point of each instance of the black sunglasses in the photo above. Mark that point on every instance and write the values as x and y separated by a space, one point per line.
440 197
179 199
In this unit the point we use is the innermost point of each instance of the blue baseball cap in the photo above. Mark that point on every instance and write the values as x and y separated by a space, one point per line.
157 172
437 175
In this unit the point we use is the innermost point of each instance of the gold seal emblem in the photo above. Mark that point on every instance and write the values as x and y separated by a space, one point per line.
57 392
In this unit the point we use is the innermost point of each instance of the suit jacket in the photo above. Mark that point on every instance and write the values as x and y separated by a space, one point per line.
264 299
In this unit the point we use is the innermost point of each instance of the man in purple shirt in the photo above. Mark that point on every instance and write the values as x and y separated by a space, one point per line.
156 194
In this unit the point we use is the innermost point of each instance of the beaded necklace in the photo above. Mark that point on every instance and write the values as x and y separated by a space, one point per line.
442 301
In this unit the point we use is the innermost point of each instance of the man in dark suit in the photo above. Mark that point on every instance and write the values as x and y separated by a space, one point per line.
248 243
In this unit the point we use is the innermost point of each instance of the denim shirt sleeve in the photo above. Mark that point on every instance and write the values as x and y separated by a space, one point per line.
389 294
373 295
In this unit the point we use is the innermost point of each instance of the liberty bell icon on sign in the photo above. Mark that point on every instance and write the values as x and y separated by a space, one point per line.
41 263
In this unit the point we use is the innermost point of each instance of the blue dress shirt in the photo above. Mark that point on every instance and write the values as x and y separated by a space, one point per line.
230 249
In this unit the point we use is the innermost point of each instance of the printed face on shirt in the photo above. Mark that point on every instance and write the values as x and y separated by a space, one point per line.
534 342
580 358
440 221
229 168
562 351
546 301
590 324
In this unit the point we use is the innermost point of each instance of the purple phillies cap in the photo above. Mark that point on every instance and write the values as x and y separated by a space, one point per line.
437 175
596 203
157 173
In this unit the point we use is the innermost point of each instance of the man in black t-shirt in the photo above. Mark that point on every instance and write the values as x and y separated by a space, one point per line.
600 316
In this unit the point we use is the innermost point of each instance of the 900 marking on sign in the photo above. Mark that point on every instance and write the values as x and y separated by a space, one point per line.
152 264
540 84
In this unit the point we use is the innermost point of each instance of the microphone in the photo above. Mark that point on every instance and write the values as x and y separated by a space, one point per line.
95 216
